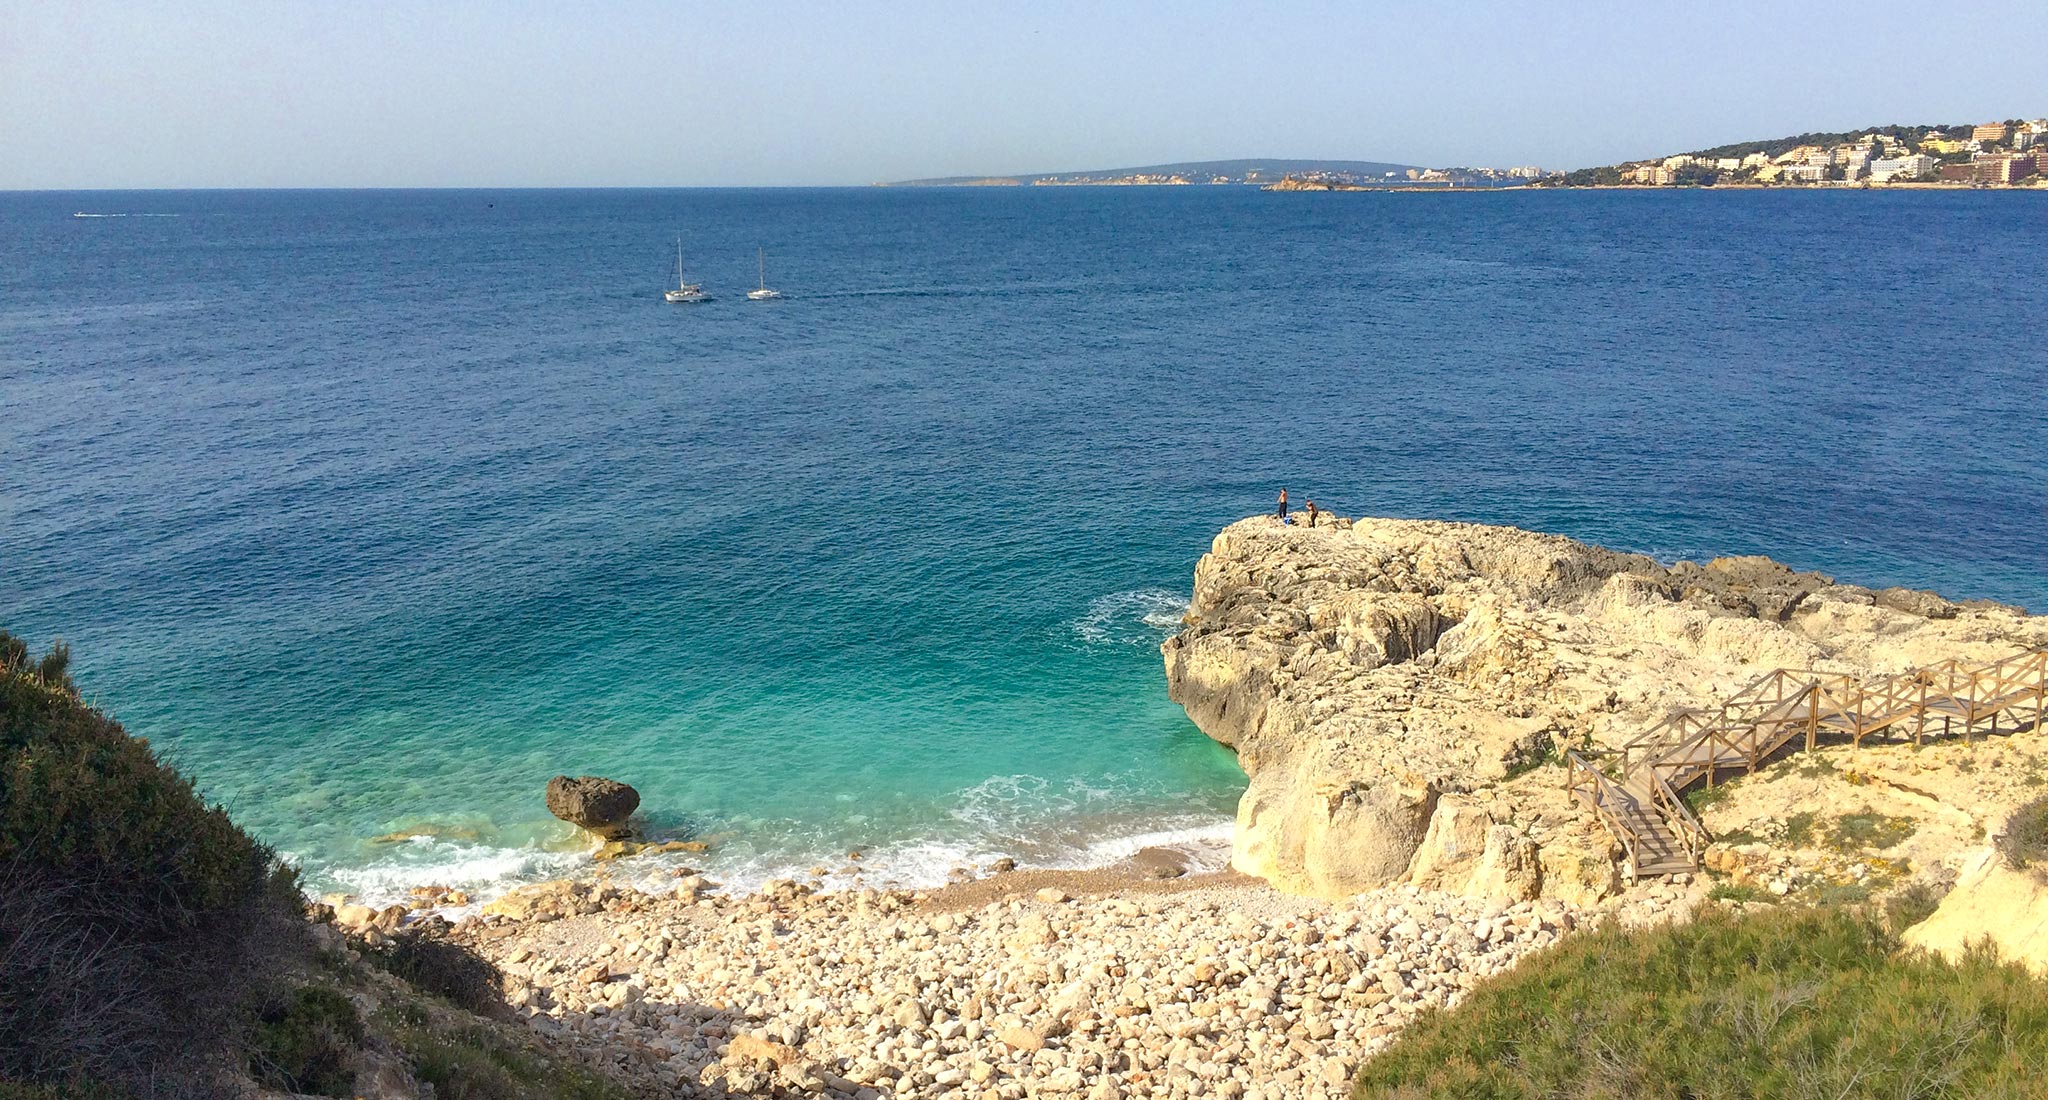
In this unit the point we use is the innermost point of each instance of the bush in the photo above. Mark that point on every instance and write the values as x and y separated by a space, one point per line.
1781 1003
446 970
2025 842
307 1041
478 1061
136 923
1911 905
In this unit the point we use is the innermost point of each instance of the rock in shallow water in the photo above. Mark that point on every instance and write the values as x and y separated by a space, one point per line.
594 803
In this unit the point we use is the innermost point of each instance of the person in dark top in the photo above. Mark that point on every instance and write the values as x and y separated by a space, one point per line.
1281 515
1311 513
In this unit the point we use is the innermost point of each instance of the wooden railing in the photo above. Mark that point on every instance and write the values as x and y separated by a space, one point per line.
1783 704
1596 790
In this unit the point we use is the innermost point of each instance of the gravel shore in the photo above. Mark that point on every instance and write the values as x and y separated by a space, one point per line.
1021 984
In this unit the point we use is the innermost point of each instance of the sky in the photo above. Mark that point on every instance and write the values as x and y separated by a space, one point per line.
455 93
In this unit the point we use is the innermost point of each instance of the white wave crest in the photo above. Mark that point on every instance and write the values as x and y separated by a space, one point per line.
1143 616
479 870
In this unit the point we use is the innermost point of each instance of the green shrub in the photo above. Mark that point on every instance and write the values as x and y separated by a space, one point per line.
1728 891
1799 829
1776 1003
136 923
446 970
1911 905
2025 842
477 1061
306 1041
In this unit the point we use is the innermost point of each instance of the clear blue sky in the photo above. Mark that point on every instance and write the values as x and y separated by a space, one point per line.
203 93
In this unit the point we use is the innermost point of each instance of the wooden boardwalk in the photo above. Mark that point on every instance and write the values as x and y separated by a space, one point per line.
1659 835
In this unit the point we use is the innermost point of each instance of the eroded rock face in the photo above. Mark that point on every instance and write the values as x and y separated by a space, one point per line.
1394 688
594 803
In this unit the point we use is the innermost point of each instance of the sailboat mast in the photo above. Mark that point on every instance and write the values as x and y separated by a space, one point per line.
761 258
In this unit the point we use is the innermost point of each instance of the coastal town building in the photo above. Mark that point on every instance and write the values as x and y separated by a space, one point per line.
1941 146
1990 133
2001 167
1911 167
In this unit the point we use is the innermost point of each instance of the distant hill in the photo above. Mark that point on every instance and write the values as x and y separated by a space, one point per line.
1198 171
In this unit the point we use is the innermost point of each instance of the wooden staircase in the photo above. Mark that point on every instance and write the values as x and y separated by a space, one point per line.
1659 835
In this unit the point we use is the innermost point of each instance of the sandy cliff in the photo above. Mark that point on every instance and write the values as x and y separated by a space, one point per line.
1397 689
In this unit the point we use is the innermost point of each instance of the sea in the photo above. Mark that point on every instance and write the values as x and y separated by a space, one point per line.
373 510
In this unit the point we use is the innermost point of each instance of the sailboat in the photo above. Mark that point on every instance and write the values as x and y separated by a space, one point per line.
684 292
762 293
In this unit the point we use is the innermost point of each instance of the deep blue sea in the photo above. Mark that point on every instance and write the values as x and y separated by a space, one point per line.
373 510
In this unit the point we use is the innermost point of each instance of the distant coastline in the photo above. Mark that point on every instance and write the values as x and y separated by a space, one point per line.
2007 154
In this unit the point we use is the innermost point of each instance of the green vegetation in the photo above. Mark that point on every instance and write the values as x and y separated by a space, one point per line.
1867 831
1699 798
137 924
147 944
306 1042
1775 147
2025 843
1778 1003
1799 829
475 1061
1729 891
1911 905
435 966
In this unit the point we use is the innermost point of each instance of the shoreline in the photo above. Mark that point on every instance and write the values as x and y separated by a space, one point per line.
1027 982
1200 849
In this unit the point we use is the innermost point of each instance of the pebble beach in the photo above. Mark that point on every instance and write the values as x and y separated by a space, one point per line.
1020 984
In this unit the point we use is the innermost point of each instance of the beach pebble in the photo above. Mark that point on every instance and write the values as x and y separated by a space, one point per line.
1226 991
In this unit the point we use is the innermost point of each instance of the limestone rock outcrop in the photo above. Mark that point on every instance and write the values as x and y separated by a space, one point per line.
1398 691
1993 903
594 803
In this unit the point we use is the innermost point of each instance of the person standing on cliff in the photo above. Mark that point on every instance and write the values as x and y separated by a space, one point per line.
1281 515
1311 513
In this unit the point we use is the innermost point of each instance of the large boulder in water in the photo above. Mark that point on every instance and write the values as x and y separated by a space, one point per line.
594 803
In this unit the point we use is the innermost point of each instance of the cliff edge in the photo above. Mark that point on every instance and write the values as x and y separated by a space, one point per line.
1398 691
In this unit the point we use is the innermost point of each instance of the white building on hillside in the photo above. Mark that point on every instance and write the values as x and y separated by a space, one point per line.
1916 166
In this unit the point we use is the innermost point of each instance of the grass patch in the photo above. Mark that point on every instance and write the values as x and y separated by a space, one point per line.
306 1042
1867 831
1728 891
1699 798
1843 893
473 1061
1775 1003
1813 765
1799 829
2025 843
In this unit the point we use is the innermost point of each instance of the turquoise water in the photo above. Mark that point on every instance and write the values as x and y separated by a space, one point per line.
376 509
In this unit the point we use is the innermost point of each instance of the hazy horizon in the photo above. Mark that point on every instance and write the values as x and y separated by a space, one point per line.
107 95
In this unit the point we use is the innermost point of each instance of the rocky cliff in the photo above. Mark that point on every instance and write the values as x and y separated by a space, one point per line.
1398 690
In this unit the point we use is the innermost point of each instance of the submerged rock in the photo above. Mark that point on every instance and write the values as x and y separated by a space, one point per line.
594 803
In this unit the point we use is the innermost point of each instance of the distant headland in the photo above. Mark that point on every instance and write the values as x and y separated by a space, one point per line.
1202 172
2007 153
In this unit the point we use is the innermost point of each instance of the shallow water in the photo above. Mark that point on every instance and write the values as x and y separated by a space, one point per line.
376 509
